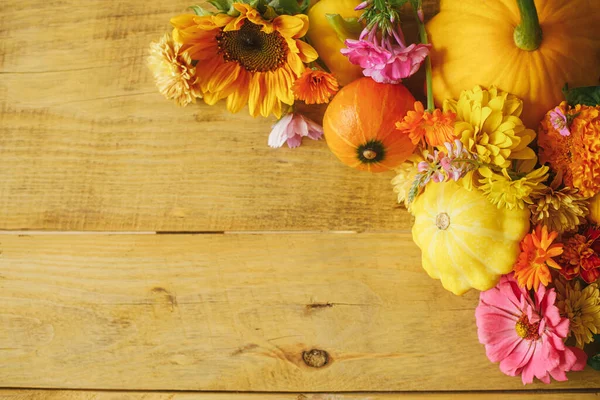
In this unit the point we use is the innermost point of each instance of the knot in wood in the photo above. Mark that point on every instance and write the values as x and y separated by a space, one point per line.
315 358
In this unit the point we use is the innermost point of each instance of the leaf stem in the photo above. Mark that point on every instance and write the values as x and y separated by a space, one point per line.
428 71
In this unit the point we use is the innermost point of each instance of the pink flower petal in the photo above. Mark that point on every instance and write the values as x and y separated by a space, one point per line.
535 356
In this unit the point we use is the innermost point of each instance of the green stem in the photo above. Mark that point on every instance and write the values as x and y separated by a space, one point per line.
424 39
528 34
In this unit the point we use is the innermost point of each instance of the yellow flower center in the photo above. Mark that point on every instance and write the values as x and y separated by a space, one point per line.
527 330
253 49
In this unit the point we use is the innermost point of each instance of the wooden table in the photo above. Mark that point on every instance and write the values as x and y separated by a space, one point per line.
148 249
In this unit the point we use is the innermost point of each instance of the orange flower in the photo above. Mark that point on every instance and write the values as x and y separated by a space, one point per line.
435 127
576 156
537 251
315 87
246 59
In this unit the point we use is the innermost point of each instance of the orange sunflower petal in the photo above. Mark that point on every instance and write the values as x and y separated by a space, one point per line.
307 53
291 26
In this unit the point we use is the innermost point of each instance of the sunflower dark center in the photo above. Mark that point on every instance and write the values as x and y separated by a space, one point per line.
253 49
371 152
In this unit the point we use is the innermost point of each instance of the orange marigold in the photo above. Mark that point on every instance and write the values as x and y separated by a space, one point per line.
577 155
537 251
315 87
435 128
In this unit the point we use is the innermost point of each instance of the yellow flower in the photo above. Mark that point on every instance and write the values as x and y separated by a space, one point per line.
173 71
503 191
561 210
581 307
406 174
246 59
488 124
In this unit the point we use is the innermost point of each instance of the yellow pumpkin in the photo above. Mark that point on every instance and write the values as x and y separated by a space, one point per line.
326 41
484 43
466 241
594 208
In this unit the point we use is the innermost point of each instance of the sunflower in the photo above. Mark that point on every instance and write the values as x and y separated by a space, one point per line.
246 59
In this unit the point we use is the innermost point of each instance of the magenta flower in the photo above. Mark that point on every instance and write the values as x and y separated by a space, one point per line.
526 336
388 59
292 128
559 121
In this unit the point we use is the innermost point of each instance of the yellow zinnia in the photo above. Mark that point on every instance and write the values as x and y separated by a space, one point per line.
246 59
582 307
488 124
503 191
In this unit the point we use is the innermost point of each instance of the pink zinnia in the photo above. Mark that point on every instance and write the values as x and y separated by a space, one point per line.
291 129
525 335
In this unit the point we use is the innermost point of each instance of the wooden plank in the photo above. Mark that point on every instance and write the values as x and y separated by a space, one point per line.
237 313
95 395
87 143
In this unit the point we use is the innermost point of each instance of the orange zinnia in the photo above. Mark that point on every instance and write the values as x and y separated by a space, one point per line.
246 59
537 251
315 87
435 127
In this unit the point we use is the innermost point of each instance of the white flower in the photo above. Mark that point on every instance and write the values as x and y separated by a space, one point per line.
292 128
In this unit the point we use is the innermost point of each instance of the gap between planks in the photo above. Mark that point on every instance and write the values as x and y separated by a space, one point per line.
77 394
304 232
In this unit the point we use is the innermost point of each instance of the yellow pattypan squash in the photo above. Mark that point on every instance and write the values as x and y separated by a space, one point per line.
530 49
466 241
328 43
594 208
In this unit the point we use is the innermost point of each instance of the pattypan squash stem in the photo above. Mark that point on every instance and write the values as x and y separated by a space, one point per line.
425 40
528 34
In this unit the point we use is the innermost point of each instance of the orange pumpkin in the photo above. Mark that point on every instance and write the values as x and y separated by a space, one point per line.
360 125
527 51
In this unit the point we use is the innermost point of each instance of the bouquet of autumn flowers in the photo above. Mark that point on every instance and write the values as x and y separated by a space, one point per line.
502 177
475 187
262 54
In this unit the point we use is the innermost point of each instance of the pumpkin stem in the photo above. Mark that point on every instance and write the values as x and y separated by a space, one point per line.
369 154
528 34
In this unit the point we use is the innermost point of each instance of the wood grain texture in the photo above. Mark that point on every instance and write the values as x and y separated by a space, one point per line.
236 313
87 143
95 395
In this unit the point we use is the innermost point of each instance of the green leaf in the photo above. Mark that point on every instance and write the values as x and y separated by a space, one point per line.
594 362
304 6
415 188
587 95
222 5
345 28
198 10
290 7
269 13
